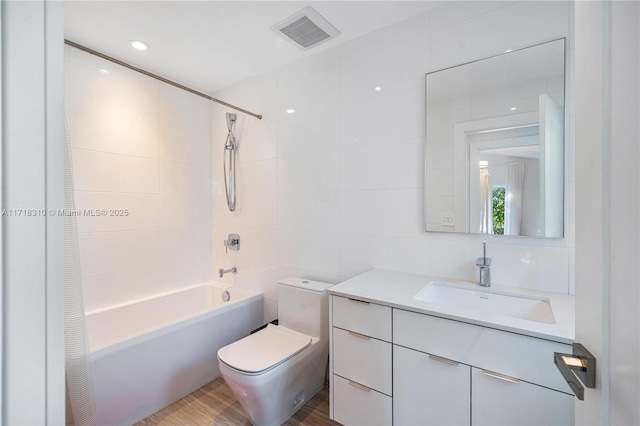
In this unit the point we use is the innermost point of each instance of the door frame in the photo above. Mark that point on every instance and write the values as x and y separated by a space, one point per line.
32 178
607 253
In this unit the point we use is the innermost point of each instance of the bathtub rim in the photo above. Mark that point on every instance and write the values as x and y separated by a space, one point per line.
167 293
166 327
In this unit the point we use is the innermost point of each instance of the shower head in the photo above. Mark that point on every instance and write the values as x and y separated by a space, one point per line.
231 119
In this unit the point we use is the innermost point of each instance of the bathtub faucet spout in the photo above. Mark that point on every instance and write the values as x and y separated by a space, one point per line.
221 271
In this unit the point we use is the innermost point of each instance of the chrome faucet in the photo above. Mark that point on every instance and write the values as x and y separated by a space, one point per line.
221 271
484 263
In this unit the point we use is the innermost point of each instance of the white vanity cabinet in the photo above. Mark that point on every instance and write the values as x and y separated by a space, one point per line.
393 366
511 378
361 362
429 390
497 401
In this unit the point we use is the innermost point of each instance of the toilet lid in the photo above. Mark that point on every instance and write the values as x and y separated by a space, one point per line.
263 350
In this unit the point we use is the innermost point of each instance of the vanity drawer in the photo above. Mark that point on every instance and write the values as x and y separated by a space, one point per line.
498 402
362 359
362 317
354 404
523 357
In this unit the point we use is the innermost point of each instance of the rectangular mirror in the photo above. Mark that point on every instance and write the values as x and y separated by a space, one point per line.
495 145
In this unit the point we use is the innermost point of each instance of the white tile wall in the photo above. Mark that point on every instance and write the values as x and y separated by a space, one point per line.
319 172
393 212
140 145
403 70
386 165
313 251
457 11
305 134
258 177
350 161
384 118
315 212
517 25
359 253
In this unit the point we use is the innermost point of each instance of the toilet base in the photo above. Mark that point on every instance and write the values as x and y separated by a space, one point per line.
270 398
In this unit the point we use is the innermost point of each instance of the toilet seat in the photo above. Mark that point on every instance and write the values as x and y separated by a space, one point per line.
264 350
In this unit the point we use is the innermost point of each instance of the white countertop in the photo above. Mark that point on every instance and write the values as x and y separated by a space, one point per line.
396 289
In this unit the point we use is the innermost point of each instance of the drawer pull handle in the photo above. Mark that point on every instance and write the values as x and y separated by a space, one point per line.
359 386
444 360
500 376
358 301
361 336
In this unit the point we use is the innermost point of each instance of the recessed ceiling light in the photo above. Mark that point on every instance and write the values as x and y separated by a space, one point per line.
291 111
378 88
103 71
139 45
513 108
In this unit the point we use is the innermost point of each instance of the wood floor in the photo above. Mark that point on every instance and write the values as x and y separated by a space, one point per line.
215 404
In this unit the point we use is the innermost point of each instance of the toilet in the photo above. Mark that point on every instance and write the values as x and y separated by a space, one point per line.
274 371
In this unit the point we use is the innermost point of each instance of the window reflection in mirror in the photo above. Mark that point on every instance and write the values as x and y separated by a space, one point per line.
495 145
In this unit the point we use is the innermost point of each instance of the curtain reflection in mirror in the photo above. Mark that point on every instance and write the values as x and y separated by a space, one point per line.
486 200
513 199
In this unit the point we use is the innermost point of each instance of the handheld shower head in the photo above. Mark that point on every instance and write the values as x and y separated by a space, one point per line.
231 120
229 163
231 138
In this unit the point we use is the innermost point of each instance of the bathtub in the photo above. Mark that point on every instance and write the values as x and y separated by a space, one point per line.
151 352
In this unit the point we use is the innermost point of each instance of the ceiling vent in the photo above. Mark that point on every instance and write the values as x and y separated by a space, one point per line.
306 29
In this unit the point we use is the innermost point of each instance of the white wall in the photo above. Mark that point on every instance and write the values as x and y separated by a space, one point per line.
32 298
337 188
141 145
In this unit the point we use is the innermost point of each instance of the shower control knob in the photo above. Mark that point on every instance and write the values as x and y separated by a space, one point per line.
233 243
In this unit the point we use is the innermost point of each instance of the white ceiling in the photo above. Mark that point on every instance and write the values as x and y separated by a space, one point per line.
209 45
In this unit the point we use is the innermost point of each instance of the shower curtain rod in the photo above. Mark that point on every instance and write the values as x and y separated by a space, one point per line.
157 77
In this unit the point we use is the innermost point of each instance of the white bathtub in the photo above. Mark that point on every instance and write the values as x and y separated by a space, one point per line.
149 353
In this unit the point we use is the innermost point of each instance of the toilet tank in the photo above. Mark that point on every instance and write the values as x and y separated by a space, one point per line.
303 305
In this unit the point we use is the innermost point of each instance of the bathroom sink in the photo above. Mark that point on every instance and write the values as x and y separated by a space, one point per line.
487 301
